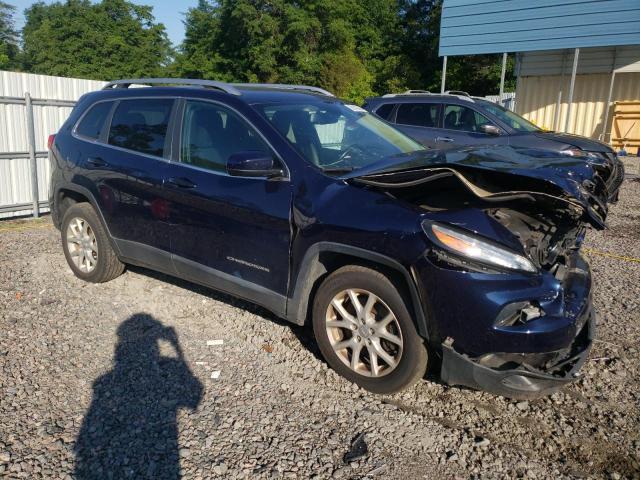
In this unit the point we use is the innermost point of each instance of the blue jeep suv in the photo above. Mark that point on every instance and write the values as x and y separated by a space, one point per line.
317 210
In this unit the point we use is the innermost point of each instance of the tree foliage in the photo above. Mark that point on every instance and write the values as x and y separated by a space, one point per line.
9 49
355 48
105 40
351 48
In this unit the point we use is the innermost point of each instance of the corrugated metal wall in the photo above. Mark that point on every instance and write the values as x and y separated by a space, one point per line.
15 173
591 60
537 98
470 27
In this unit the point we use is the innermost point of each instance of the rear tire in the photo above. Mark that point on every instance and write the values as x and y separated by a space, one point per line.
365 332
87 247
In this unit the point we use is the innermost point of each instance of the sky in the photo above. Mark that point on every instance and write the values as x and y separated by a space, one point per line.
169 12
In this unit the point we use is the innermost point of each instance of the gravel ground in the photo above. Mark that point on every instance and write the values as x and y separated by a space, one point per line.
129 379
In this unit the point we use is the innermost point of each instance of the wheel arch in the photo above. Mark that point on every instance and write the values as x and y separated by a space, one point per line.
70 194
324 258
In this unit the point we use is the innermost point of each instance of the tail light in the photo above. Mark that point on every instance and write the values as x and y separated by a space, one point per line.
50 141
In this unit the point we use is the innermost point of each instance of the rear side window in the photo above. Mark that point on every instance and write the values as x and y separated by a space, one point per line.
211 134
418 114
385 110
141 125
91 124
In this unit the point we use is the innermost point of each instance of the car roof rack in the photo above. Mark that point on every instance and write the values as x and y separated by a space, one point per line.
285 86
231 88
126 83
409 92
458 93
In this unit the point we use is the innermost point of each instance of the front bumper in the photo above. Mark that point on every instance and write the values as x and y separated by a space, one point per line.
518 359
524 382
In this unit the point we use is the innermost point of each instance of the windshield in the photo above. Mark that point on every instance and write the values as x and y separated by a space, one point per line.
337 137
514 120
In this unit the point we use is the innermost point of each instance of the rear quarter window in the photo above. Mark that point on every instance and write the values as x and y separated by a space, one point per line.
141 125
92 122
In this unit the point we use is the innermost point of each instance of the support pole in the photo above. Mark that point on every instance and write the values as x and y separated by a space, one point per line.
556 114
607 107
504 70
31 137
614 63
444 73
576 54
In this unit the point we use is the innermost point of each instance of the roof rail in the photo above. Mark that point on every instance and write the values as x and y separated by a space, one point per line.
409 92
126 83
286 87
459 93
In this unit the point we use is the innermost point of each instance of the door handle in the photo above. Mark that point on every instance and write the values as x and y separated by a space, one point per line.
444 139
96 162
180 182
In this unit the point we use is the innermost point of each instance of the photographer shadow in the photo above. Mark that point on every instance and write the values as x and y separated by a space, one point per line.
130 429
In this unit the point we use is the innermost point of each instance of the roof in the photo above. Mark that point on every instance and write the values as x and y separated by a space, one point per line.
249 92
471 27
406 97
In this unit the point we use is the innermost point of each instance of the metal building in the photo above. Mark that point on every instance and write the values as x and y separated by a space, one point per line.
575 59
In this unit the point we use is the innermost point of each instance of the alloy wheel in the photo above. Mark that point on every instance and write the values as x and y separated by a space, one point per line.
364 332
82 245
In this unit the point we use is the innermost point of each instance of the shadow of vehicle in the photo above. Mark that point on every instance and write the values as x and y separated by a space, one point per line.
130 429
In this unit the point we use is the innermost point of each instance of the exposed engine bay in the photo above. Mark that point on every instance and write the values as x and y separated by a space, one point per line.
549 221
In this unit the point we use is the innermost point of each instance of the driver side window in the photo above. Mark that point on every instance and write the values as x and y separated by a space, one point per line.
212 133
457 117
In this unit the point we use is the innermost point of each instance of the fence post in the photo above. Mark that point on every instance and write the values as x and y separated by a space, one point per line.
31 137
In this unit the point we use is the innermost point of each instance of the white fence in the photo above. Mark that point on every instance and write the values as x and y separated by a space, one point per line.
508 100
31 108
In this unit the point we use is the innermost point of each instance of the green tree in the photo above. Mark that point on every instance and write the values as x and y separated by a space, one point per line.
476 74
351 48
105 40
8 38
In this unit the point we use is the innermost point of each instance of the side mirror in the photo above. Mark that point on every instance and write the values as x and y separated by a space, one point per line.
252 164
490 129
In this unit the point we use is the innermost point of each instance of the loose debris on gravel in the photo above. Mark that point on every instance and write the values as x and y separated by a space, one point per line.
118 380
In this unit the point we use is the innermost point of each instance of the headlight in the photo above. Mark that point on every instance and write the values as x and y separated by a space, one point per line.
577 153
470 246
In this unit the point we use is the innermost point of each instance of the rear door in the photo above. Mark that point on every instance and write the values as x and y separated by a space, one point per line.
420 121
126 167
462 126
232 233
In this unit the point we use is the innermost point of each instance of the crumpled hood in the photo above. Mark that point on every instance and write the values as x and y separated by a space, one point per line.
583 143
496 173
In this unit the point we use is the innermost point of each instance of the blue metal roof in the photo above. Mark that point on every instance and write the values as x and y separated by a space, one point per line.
495 26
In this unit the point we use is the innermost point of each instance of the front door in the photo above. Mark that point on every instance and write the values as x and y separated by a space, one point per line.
232 233
462 127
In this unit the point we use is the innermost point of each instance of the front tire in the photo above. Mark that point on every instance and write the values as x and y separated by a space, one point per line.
365 332
87 247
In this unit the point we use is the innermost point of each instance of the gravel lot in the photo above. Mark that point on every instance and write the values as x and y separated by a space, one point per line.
118 380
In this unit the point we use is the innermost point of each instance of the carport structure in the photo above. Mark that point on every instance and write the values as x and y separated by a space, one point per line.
557 41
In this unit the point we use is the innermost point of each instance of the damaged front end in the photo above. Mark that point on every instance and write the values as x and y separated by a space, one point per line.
520 327
532 374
